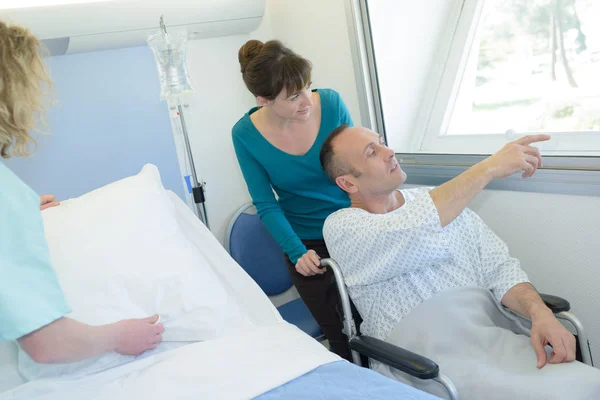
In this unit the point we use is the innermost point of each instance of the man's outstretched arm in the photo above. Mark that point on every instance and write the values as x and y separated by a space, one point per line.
452 197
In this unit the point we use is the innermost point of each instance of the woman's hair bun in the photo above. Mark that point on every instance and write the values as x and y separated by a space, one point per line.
248 51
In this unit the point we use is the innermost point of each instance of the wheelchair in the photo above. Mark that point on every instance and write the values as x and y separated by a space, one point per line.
364 347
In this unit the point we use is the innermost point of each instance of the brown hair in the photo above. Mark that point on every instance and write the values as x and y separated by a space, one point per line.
23 78
268 68
332 164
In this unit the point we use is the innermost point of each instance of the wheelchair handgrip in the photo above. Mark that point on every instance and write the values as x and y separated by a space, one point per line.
396 357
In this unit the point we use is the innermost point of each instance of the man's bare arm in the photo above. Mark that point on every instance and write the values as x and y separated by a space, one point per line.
452 197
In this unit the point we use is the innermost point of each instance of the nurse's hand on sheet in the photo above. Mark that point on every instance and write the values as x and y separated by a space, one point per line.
310 264
547 330
47 201
138 335
517 156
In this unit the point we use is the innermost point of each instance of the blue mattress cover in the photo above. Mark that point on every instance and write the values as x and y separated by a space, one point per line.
344 381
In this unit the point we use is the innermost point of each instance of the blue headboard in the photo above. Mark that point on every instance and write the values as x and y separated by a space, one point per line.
106 123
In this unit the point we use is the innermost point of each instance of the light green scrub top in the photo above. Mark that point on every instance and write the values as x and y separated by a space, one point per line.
30 295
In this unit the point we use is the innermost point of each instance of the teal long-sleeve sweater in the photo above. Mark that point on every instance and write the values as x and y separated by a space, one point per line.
305 195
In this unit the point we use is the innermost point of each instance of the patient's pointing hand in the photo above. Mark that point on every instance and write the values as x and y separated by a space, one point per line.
138 335
547 330
517 156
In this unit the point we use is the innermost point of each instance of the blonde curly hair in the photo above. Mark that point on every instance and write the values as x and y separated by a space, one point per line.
23 81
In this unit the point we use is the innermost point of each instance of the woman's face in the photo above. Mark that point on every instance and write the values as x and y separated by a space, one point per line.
296 106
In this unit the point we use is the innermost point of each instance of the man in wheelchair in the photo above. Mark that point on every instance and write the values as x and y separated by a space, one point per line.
422 248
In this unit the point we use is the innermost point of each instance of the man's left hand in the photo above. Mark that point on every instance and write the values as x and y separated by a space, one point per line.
545 330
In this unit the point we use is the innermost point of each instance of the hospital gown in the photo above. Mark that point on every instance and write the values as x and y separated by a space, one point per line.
30 295
393 262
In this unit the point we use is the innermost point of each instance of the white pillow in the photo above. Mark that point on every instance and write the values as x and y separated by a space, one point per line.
119 253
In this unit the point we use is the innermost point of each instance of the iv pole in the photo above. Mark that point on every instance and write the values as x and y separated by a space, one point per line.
197 187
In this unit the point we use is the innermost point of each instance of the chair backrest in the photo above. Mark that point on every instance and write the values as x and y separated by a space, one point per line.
256 251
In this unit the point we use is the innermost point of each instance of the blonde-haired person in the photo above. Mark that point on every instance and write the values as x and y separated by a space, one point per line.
22 87
277 146
32 305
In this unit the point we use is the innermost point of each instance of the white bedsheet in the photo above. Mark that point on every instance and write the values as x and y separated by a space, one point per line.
251 299
9 374
234 367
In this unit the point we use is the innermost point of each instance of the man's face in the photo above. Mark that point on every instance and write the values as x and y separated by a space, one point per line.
365 151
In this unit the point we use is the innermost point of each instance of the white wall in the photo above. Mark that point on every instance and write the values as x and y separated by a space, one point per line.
221 98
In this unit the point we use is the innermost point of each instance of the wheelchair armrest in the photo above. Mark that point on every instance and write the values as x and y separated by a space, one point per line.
555 303
396 357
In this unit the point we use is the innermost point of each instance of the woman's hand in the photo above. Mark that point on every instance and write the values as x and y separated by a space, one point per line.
309 264
138 335
47 201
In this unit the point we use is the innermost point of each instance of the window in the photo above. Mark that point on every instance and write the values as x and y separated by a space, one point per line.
531 68
495 70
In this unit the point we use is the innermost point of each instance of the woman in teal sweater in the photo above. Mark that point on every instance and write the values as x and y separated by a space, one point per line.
277 146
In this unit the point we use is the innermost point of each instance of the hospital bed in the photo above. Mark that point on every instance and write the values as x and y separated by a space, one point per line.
253 354
414 365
